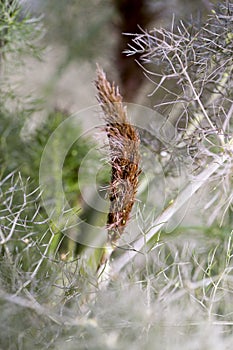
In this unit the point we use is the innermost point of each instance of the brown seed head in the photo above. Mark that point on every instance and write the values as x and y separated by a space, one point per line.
124 145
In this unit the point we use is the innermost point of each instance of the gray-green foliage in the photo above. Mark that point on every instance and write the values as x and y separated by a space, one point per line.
190 67
19 37
176 293
175 297
19 31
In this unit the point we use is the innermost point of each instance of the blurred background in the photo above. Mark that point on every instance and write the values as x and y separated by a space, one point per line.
79 34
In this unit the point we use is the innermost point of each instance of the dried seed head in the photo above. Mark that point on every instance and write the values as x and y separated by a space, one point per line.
124 145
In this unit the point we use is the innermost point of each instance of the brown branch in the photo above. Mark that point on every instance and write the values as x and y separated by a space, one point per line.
131 15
